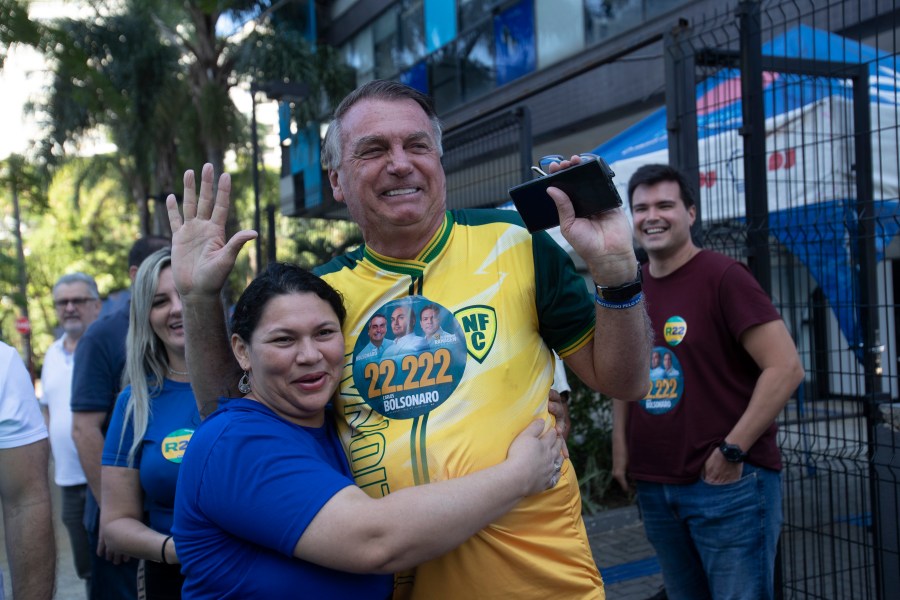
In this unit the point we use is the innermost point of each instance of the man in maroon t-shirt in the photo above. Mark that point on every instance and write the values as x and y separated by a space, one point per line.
701 446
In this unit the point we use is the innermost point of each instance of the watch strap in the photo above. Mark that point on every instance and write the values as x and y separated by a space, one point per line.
621 293
732 452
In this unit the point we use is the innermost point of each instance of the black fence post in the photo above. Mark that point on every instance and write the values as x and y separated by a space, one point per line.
753 130
681 112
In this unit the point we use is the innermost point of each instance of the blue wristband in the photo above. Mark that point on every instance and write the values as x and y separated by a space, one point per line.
634 301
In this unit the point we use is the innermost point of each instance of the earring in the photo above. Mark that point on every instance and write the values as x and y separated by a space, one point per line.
244 383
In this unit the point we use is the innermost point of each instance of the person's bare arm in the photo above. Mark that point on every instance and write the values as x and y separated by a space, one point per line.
121 518
616 361
201 262
620 444
28 520
774 351
356 533
87 433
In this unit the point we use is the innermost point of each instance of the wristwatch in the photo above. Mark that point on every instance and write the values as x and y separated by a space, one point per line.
732 452
621 293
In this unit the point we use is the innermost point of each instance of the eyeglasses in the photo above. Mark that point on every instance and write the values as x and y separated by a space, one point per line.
77 302
551 158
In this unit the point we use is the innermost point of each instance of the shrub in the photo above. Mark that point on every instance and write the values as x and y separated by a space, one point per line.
590 447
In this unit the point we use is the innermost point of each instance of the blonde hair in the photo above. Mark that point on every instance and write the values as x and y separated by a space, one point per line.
146 361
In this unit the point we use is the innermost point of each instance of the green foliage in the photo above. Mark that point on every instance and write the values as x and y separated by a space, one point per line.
155 77
316 241
307 242
83 225
113 73
590 446
15 27
281 53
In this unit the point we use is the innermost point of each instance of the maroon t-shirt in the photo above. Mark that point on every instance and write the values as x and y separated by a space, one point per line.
702 377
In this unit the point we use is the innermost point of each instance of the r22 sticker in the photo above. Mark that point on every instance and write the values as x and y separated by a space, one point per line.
674 330
174 445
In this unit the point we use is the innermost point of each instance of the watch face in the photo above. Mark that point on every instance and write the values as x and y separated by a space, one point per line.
732 453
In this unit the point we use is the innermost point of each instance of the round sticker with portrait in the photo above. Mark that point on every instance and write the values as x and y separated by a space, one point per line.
410 357
666 382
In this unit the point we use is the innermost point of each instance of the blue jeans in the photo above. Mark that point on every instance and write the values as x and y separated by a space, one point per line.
715 541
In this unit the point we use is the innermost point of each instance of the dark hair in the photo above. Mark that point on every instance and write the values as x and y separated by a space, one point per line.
658 173
433 308
146 246
280 279
407 307
378 89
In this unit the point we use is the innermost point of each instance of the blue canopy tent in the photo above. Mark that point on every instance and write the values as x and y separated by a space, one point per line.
809 146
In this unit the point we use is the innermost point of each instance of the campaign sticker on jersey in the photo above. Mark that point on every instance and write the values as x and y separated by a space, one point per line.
674 330
410 358
479 325
666 382
174 444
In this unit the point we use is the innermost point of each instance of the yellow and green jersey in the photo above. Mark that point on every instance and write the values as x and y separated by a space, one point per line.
436 406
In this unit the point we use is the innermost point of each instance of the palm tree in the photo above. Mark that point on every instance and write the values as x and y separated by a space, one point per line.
156 76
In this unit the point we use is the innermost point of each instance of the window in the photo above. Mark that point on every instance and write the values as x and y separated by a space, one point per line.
411 34
472 13
359 55
556 22
384 39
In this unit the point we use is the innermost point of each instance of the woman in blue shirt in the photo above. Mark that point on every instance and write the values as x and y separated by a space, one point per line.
153 420
266 505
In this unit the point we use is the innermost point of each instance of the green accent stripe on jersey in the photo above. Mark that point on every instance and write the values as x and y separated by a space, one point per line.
404 267
422 453
417 453
437 243
346 261
578 344
487 216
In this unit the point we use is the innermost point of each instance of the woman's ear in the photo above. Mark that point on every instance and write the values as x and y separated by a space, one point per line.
241 351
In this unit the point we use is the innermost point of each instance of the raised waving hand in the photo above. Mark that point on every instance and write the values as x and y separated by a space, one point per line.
201 260
201 256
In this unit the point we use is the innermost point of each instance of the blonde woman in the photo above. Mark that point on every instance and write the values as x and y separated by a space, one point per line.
154 418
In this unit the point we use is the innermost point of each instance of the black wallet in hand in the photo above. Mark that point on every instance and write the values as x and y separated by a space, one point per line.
588 184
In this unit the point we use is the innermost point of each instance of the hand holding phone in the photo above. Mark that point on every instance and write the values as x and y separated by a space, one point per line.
588 185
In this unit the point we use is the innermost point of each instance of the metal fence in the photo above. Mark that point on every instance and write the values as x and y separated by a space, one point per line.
485 158
786 116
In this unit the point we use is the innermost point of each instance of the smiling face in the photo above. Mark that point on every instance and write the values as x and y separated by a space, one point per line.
662 223
294 357
377 330
667 361
75 307
165 315
401 321
390 174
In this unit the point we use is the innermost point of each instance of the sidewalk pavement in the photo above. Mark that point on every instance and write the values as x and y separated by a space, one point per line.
626 560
